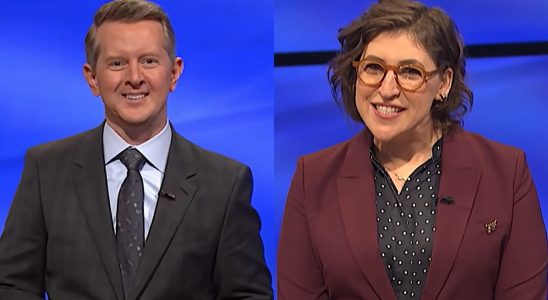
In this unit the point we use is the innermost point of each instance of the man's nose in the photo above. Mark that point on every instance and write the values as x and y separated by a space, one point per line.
135 74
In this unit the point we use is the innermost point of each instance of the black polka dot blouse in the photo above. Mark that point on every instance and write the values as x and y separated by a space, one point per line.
406 223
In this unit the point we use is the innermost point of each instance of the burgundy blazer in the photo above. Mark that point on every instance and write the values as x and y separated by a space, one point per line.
328 244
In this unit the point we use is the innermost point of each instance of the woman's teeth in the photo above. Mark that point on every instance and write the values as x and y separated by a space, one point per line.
387 110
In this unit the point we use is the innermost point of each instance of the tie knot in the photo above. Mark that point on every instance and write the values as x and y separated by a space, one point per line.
132 159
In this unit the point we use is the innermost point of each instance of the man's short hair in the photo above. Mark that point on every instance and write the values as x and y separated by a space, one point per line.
128 11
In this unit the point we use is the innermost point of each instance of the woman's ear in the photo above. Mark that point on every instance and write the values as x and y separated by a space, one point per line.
446 82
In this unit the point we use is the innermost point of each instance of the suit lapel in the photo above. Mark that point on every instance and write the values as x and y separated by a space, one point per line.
356 194
91 188
179 181
459 179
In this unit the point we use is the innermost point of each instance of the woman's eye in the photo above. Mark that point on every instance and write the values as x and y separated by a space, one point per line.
410 72
374 68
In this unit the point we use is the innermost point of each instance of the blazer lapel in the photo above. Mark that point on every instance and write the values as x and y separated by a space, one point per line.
459 179
91 187
356 194
178 188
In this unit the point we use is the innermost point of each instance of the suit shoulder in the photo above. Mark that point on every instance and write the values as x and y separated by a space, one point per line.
327 154
62 146
213 161
484 146
326 161
217 159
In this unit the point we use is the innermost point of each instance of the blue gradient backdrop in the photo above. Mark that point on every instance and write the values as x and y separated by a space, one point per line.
311 25
510 92
224 99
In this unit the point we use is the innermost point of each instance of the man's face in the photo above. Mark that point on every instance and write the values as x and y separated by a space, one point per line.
133 75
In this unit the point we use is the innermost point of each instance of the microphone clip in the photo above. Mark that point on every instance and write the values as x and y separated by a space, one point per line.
167 195
447 200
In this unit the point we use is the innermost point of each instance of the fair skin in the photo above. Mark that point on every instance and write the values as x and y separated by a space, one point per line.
133 75
400 121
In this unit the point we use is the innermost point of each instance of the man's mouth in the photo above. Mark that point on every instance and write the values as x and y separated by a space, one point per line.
134 97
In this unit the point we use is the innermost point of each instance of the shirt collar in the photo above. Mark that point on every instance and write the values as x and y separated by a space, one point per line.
155 149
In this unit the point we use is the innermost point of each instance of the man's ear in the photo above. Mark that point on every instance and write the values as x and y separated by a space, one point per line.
178 66
91 79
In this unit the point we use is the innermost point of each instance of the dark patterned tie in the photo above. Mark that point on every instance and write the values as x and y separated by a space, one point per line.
129 218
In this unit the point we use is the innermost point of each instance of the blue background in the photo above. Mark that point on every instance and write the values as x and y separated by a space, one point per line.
510 92
232 100
224 98
311 25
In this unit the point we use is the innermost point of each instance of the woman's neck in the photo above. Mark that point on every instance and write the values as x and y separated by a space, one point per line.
410 149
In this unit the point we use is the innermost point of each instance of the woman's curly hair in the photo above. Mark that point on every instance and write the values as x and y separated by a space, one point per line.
431 28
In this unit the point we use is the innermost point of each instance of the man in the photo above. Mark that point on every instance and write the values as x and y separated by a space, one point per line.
130 209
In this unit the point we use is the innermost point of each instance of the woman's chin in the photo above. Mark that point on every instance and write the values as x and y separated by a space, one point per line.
383 135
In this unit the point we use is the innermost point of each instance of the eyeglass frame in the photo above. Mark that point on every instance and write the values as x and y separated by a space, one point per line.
394 68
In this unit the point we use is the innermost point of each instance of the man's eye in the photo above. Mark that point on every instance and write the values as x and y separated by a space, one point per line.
116 64
150 61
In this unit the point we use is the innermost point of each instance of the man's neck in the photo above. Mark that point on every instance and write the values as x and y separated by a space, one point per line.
137 134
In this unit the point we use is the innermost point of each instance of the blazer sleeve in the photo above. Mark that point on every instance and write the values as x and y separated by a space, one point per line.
299 273
522 272
240 271
23 242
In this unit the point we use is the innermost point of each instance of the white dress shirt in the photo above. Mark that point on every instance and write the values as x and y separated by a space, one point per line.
155 151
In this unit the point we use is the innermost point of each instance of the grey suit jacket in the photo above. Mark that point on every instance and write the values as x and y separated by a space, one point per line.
59 238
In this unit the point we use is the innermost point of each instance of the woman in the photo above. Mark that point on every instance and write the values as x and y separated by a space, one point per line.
413 207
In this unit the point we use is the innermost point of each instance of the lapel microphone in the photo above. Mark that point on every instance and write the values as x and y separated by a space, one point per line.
166 195
447 200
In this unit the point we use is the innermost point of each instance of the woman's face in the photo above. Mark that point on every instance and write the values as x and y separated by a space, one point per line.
388 111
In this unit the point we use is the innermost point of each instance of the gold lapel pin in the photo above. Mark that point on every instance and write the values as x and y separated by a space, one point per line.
491 226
